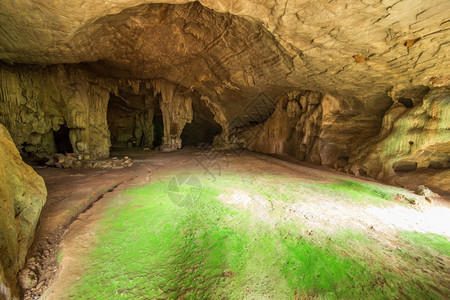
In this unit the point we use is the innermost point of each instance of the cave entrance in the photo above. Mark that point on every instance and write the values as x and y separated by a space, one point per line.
158 127
62 140
203 128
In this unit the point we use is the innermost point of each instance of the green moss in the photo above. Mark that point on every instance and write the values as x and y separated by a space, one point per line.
362 192
150 248
430 241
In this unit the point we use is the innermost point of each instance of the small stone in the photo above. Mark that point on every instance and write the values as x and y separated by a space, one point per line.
424 191
39 285
28 279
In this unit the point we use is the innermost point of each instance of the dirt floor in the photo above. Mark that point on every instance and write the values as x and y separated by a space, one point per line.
198 224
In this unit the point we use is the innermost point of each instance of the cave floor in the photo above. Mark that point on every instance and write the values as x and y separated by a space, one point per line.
194 224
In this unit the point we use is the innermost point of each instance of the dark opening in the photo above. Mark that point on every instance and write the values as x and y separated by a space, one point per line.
435 165
120 122
203 127
158 127
407 102
362 172
342 161
62 140
23 151
131 121
405 166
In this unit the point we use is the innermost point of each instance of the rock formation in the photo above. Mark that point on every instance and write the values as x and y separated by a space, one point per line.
176 108
22 195
410 138
312 127
228 52
35 101
334 68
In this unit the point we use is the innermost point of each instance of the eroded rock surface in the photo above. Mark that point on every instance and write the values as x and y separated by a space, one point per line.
410 138
35 101
312 127
335 68
22 195
304 42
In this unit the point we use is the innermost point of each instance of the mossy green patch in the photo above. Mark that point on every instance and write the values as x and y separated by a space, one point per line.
293 190
358 189
435 242
361 192
151 248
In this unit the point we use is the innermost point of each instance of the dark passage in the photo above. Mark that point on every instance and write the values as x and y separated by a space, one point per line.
158 127
203 127
62 140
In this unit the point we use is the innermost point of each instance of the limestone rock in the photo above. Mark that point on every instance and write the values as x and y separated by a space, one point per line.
331 83
22 195
424 191
35 101
410 138
176 109
313 127
312 42
66 162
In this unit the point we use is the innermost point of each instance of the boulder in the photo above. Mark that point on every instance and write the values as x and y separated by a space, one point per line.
22 195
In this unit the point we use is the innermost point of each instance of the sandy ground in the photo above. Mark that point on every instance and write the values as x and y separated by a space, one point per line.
68 188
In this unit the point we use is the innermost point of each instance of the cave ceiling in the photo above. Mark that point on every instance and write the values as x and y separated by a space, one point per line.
234 51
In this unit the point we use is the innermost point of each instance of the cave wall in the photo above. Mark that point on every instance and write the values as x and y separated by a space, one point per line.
364 54
35 101
130 120
313 127
410 138
321 129
22 195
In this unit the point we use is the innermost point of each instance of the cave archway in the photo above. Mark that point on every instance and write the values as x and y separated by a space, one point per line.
62 140
203 128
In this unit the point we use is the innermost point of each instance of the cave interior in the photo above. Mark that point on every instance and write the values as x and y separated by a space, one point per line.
225 149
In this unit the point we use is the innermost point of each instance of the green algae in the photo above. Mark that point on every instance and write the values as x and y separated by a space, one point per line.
151 248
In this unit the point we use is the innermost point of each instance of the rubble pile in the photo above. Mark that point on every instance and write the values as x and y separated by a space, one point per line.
73 161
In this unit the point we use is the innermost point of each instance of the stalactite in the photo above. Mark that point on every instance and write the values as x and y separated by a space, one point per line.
36 100
176 107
